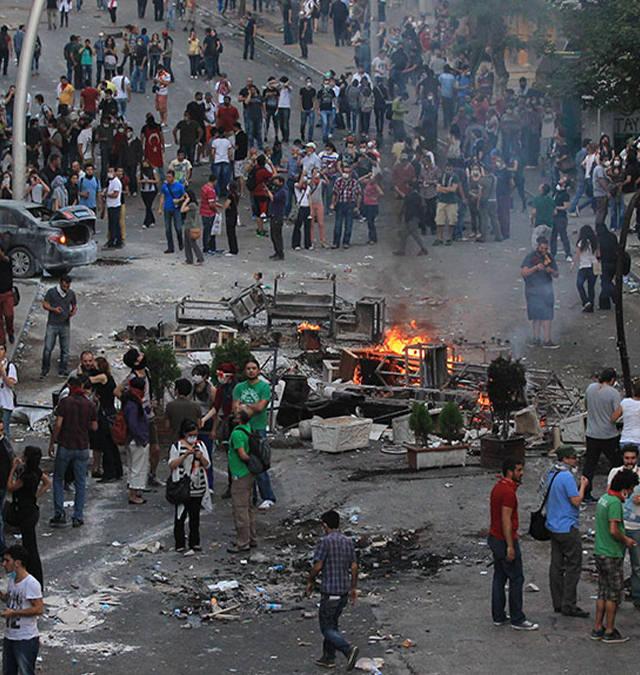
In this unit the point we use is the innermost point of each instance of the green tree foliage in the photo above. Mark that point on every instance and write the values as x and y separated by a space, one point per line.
506 383
162 365
420 423
604 33
232 351
450 422
489 32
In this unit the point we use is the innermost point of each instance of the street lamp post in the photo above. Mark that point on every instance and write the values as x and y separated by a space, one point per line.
19 148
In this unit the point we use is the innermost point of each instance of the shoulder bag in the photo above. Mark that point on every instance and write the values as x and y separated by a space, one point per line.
178 491
537 525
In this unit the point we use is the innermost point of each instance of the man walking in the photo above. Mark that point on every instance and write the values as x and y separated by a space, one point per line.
75 417
250 31
563 515
611 542
335 557
60 301
504 544
601 401
244 515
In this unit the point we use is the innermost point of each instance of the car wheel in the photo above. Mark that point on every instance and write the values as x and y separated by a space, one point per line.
59 271
22 262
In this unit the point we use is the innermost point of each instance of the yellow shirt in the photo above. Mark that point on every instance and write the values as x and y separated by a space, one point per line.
193 47
65 95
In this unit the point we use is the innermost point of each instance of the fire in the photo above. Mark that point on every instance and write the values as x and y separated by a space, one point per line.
396 340
305 325
483 400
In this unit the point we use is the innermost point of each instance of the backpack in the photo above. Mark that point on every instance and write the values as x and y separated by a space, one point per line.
119 429
251 179
259 452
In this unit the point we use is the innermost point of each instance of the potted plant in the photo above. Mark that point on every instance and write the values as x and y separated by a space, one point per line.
450 423
233 351
506 381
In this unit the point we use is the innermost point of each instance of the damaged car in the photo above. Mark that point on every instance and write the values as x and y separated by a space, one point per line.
38 239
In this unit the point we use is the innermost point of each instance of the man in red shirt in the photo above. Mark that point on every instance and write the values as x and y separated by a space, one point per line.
89 101
228 115
503 542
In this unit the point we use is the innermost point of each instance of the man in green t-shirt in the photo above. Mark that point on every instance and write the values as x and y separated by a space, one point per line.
542 207
253 396
609 554
244 516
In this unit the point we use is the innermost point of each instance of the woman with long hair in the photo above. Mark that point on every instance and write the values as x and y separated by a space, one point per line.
27 483
231 215
193 51
104 386
155 54
137 439
587 259
148 191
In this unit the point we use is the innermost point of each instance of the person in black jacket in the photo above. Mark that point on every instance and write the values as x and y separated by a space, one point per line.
339 14
6 298
608 245
27 482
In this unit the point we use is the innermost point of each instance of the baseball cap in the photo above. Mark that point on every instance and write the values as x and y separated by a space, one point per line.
566 451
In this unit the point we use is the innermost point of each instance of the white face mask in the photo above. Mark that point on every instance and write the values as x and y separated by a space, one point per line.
192 439
198 379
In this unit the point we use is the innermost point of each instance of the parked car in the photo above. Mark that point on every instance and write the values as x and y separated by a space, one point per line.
38 239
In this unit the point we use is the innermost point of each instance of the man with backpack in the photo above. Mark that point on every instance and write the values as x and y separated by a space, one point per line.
252 396
244 515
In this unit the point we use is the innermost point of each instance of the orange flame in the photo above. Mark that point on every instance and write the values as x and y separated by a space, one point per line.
483 400
305 325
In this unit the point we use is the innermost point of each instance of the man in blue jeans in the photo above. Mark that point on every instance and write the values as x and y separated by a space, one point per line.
346 195
171 195
75 416
61 304
335 557
503 542
253 396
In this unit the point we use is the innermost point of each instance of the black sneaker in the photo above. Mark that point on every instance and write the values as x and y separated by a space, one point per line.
576 612
77 522
352 658
550 345
597 634
58 521
324 662
12 338
614 638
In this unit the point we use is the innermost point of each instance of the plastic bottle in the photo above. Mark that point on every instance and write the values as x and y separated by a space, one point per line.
273 606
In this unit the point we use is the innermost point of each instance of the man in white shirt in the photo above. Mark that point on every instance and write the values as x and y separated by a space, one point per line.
123 93
8 380
24 606
114 204
310 161
210 108
221 158
380 66
284 108
85 143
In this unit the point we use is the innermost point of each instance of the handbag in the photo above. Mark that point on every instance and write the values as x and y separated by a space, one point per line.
538 525
11 513
216 226
195 233
178 491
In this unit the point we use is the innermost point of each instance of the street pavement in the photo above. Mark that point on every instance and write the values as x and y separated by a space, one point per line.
470 290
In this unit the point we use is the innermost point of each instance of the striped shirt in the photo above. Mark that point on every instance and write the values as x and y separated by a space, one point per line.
197 472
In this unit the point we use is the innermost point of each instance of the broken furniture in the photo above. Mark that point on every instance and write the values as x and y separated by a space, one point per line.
308 336
247 304
340 434
192 338
365 323
318 304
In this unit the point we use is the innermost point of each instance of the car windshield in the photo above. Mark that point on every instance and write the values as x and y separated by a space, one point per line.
40 212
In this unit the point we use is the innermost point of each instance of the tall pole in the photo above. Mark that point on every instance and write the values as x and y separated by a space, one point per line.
374 27
620 264
19 149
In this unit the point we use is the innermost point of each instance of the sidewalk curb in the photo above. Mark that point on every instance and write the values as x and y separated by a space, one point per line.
270 46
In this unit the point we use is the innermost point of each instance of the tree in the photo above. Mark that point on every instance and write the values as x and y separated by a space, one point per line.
604 34
506 382
489 34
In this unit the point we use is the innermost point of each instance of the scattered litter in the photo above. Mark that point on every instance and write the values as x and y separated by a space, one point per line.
369 665
407 644
223 586
532 588
151 547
